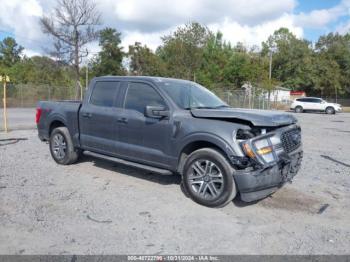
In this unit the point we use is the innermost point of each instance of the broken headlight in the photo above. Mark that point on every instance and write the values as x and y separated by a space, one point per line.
259 149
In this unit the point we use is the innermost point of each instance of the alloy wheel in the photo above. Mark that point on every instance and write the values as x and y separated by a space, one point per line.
205 179
59 146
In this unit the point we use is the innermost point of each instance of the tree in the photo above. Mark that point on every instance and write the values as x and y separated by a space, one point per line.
10 52
238 70
182 51
327 76
216 55
144 62
291 59
335 48
72 27
109 59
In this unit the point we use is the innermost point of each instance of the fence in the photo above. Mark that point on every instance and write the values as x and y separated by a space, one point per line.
345 102
27 95
255 100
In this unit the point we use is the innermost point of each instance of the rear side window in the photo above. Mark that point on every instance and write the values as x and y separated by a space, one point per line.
315 100
104 94
140 95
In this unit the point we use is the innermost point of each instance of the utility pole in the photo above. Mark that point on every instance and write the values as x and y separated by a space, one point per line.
5 79
87 76
270 76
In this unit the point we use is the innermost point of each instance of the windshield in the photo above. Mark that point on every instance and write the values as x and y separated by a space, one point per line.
190 95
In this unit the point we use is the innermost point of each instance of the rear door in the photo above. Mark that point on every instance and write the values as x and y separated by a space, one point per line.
306 103
141 138
314 104
97 118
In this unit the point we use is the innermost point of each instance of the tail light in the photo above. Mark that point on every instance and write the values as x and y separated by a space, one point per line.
38 115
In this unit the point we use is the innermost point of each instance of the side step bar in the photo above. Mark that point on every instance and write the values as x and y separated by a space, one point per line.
129 163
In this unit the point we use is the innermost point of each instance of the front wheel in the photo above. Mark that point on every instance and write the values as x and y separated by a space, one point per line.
330 110
208 178
61 147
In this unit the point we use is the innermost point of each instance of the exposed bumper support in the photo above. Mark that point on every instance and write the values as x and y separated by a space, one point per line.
257 184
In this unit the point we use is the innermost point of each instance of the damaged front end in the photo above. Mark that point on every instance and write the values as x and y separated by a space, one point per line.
271 158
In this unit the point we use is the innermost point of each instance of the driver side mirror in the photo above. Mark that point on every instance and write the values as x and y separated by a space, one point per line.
156 112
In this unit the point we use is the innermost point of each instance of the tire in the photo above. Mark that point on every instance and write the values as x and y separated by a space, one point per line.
61 147
330 110
298 109
208 178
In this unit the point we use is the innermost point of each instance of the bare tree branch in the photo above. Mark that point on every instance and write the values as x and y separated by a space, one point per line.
72 27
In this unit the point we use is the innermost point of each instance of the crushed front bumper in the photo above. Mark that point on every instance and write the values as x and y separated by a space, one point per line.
257 184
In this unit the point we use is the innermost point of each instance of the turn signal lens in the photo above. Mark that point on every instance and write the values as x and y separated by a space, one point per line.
264 150
248 151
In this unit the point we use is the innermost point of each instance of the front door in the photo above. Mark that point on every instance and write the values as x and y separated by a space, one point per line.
141 138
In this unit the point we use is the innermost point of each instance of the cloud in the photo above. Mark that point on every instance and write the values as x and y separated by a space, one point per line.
255 35
21 18
157 15
322 17
145 21
343 28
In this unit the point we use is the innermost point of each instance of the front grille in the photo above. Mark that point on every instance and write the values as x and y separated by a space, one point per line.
291 140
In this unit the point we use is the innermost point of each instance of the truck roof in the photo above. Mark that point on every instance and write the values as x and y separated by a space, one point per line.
146 78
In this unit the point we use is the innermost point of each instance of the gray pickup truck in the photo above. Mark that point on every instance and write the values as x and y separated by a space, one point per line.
171 126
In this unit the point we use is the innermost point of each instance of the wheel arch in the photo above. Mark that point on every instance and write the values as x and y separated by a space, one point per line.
202 141
332 107
54 124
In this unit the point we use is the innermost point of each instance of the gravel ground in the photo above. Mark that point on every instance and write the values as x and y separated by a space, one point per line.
98 207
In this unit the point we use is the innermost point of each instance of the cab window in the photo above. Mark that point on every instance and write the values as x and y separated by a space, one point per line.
104 93
140 95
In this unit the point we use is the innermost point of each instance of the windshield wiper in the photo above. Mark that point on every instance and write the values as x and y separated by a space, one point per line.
221 106
207 107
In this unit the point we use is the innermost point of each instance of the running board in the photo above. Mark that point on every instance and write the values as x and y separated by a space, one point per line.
129 163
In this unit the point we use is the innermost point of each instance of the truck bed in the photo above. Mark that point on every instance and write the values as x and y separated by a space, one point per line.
65 111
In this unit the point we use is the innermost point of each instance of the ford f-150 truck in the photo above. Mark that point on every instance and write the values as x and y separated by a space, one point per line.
171 126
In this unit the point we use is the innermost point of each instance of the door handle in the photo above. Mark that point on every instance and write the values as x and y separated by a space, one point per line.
123 120
87 115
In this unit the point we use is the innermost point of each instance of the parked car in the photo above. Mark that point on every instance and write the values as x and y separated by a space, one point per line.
172 126
314 104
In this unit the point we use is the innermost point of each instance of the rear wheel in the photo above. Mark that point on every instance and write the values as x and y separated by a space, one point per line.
330 110
298 109
61 147
208 178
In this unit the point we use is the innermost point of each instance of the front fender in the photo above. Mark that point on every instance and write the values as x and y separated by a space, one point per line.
203 137
206 137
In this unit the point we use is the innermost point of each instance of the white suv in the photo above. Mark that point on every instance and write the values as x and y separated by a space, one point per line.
314 104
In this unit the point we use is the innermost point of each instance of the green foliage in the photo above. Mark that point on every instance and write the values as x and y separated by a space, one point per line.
291 59
144 62
194 52
214 61
182 51
335 49
10 52
109 59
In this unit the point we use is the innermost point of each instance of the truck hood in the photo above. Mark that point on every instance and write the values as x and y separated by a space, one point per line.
255 117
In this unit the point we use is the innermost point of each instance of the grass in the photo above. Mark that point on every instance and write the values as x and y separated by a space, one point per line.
346 109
